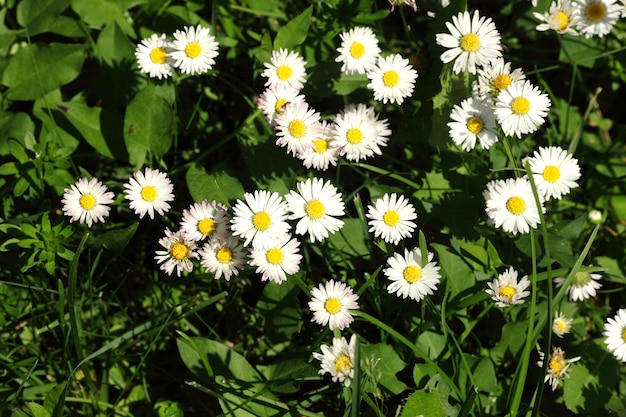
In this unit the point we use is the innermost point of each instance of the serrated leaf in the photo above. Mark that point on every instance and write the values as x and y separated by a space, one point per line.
294 32
39 16
218 186
423 403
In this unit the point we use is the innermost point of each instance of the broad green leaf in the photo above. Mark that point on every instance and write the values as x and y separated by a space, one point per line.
280 308
99 13
113 45
37 410
349 241
510 341
218 186
55 399
454 268
86 120
285 376
39 16
56 64
167 408
485 376
15 126
423 403
114 240
294 32
578 50
379 365
431 343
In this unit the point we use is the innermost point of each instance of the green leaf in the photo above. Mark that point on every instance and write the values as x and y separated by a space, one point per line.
37 410
55 400
218 186
294 32
115 240
87 121
578 50
15 126
55 65
459 275
423 403
380 363
431 343
279 307
285 376
114 46
485 376
98 13
349 241
167 408
39 16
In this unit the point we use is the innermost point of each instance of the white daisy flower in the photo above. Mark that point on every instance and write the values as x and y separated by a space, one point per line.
222 255
356 133
495 77
392 79
297 127
562 18
285 67
274 99
331 304
597 17
260 218
561 325
204 219
322 153
521 108
411 276
194 50
405 2
358 51
473 119
86 201
558 366
154 56
472 41
179 250
511 205
277 259
338 361
506 290
149 191
317 204
583 286
555 171
615 332
391 218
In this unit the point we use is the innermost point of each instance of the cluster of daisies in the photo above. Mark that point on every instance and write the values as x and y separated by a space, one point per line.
581 17
192 51
355 133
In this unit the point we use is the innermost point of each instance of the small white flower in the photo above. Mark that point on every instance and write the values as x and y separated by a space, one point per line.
555 171
392 79
285 67
583 286
331 304
86 201
277 259
561 325
358 51
358 134
154 56
410 276
495 77
521 108
595 216
204 219
473 119
615 332
322 153
297 127
194 50
260 218
391 218
562 18
511 205
558 366
149 191
177 254
506 290
405 2
597 17
338 361
274 99
223 255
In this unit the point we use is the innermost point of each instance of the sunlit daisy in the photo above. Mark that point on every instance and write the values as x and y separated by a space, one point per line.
558 366
615 332
562 18
260 218
597 17
472 41
355 133
338 361
285 67
194 50
331 304
154 56
149 191
223 256
555 171
204 219
521 108
86 201
561 325
358 51
511 205
506 290
317 204
583 286
277 259
179 250
323 153
391 218
392 79
473 119
274 99
410 276
495 77
297 127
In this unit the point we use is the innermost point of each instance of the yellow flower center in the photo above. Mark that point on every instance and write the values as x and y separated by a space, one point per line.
354 136
595 11
412 273
507 291
297 128
391 218
556 364
332 305
561 325
624 335
224 255
357 50
470 43
274 256
516 205
284 72
475 125
520 105
280 103
321 145
158 55
390 78
315 209
261 221
193 50
148 193
87 201
343 364
179 251
502 81
561 20
551 173
206 226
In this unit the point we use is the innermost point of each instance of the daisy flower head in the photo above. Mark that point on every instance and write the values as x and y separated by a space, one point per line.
355 133
521 108
511 205
179 250
561 325
285 67
223 255
149 191
194 50
404 3
358 51
507 290
260 218
495 77
316 205
473 41
558 366
154 56
583 286
205 219
297 127
471 120
331 304
391 218
277 259
615 332
322 153
338 360
274 99
410 277
555 171
392 79
562 18
597 17
86 201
